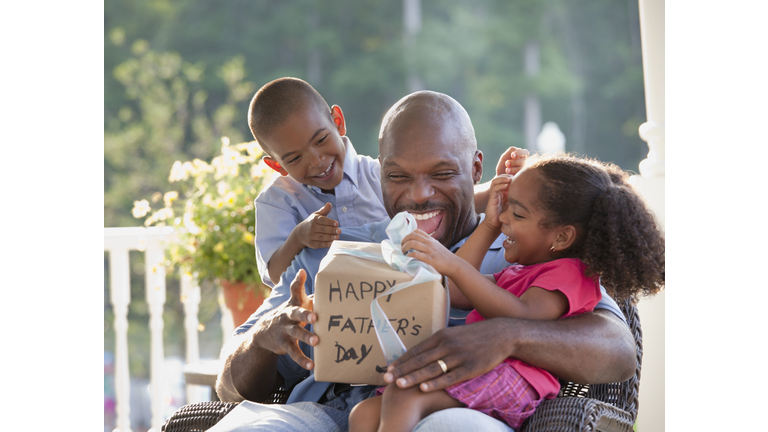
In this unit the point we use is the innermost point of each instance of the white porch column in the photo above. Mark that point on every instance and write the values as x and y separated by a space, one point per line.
650 182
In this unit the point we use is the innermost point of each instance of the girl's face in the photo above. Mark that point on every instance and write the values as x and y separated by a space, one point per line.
527 241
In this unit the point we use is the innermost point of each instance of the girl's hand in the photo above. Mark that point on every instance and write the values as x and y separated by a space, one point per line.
512 161
497 200
423 247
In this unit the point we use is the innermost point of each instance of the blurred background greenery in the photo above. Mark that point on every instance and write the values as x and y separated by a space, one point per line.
178 75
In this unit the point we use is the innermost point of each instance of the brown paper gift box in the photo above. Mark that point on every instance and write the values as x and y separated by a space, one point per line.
345 285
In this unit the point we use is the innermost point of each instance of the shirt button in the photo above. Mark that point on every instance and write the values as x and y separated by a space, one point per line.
344 209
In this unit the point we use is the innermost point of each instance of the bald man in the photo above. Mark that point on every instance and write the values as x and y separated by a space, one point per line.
429 165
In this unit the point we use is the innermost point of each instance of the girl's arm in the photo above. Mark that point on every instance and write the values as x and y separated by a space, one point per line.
481 293
492 301
476 247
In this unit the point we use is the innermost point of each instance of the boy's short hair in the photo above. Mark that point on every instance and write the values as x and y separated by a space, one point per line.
276 101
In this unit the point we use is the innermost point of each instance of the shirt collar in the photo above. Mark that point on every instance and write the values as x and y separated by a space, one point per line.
350 161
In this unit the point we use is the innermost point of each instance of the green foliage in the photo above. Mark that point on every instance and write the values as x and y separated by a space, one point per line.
165 117
214 218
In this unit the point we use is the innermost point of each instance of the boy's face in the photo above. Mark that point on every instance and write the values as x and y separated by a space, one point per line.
309 148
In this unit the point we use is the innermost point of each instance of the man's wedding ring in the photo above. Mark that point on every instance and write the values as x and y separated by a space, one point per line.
443 366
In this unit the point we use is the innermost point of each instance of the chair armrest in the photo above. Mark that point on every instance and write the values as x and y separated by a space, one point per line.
567 414
198 416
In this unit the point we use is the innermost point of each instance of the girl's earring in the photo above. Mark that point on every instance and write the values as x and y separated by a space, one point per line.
552 249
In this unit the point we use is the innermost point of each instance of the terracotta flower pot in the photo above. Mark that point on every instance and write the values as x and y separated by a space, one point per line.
242 299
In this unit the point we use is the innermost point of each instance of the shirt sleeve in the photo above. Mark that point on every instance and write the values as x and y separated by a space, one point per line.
307 259
273 226
608 303
567 277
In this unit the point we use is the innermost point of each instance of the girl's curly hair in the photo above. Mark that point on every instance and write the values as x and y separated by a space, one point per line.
618 237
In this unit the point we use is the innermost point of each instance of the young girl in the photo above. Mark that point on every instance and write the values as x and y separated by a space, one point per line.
570 224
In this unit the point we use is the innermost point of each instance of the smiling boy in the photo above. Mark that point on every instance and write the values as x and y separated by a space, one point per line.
324 183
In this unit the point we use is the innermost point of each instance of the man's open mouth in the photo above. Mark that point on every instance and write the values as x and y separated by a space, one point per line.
428 222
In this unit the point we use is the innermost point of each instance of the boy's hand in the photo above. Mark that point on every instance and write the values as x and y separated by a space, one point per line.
497 200
423 247
511 162
318 231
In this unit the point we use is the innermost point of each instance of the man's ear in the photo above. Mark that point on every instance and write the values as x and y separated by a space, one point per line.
477 167
338 120
566 236
274 165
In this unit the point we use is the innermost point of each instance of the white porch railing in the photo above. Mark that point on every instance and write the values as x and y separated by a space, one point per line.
153 242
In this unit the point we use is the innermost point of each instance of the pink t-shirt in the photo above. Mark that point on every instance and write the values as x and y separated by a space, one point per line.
565 275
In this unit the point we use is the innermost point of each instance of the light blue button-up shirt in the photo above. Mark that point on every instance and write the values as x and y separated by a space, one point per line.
307 388
284 203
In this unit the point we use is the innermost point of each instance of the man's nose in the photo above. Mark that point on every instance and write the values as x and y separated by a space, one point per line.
421 191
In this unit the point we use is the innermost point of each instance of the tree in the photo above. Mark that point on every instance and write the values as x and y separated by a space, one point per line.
165 118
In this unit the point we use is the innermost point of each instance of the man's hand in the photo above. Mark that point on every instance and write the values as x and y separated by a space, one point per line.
512 161
464 353
592 348
281 330
318 231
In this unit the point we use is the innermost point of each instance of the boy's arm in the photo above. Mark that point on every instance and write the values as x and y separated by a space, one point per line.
317 231
284 255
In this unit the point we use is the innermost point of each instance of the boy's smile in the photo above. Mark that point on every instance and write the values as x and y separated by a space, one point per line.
309 148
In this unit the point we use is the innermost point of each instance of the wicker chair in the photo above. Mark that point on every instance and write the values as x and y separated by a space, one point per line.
596 407
578 407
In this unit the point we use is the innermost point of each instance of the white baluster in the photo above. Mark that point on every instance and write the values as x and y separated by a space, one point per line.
120 296
190 297
227 323
155 290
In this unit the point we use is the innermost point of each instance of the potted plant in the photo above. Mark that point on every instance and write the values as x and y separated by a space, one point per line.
214 220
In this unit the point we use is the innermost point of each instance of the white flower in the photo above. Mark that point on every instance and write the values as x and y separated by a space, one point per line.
261 170
169 197
163 214
200 166
222 187
230 198
189 224
140 208
253 149
178 172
